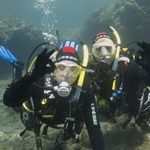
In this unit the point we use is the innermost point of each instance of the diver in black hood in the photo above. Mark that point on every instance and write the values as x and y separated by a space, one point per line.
48 93
124 86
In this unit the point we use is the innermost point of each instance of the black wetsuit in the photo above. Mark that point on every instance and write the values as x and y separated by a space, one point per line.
135 80
23 89
133 77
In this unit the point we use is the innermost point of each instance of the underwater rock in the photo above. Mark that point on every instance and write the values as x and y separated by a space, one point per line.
20 37
129 17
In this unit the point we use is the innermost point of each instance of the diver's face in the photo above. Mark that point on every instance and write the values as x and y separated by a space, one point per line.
67 71
103 50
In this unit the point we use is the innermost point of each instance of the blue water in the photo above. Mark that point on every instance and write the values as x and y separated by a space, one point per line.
67 13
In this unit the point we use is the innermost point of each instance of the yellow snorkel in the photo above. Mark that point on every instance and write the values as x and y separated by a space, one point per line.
85 63
31 65
118 47
82 73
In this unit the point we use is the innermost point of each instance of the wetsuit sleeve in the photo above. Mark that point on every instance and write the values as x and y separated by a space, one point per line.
92 122
17 93
135 80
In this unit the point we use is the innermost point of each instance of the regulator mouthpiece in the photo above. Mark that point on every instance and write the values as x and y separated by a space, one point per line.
63 89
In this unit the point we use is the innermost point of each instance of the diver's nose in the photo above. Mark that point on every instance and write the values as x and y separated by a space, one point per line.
104 51
66 72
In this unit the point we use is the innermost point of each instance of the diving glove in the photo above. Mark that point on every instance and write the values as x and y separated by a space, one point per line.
43 65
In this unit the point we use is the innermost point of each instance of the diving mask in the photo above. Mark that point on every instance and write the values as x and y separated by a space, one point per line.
104 50
100 49
67 71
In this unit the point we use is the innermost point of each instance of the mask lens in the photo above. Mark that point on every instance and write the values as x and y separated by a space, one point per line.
67 72
104 51
97 51
109 49
70 69
75 70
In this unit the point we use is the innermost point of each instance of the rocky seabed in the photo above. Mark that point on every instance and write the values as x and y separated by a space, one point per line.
131 138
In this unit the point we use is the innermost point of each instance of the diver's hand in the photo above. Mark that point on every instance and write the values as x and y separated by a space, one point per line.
43 65
145 46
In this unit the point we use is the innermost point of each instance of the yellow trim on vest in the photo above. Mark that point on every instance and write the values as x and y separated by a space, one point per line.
114 84
125 49
28 109
44 101
47 116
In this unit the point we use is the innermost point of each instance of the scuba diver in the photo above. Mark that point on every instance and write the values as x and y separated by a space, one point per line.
103 52
53 94
120 82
